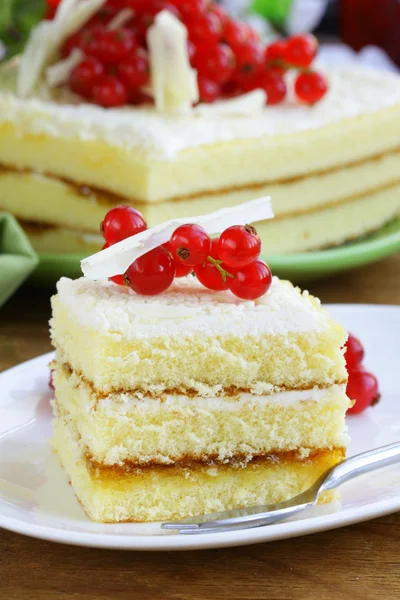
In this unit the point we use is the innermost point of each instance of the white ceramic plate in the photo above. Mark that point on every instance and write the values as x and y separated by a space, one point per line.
36 500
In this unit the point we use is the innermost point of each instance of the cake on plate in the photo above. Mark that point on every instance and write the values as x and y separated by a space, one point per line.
331 166
193 400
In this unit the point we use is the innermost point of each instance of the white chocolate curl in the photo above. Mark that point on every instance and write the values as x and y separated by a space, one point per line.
173 81
59 73
117 258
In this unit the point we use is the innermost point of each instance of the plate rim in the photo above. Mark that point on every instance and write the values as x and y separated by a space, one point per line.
176 542
168 542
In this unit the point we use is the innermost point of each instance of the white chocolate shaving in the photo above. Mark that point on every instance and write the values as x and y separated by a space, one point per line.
244 105
116 259
59 73
120 19
173 81
47 38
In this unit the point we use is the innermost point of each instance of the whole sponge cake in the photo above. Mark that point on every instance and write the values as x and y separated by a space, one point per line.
193 401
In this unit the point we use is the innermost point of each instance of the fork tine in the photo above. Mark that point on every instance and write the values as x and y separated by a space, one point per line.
267 514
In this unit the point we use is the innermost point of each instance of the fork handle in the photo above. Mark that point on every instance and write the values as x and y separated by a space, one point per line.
362 463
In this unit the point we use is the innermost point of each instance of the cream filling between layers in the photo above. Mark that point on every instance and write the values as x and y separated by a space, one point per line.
124 403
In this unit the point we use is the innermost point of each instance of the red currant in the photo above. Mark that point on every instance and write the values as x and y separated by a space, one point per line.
111 46
191 7
77 40
275 52
249 61
231 89
103 16
310 87
239 246
209 91
52 6
300 50
274 86
214 250
145 18
134 71
271 82
181 270
209 275
118 279
363 388
151 273
122 222
139 98
109 92
354 352
85 76
275 70
190 244
116 4
234 33
138 6
219 12
204 28
251 282
215 62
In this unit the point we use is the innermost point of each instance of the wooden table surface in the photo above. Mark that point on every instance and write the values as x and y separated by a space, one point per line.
361 561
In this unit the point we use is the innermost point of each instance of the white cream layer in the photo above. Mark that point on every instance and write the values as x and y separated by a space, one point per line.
124 403
187 307
353 92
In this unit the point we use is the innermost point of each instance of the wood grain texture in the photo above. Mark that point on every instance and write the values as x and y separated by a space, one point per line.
358 562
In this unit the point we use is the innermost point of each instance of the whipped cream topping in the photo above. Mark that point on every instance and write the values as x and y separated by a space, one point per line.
187 307
353 92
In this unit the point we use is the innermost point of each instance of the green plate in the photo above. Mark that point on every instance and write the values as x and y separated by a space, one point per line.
297 267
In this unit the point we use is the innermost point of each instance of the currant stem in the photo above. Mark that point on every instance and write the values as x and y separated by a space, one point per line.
217 265
287 66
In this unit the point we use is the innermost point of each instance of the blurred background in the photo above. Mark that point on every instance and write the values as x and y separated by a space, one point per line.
364 30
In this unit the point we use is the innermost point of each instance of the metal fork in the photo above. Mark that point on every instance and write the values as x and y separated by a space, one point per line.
257 516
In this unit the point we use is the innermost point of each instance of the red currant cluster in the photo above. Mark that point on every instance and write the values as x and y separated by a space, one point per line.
228 262
362 386
228 55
